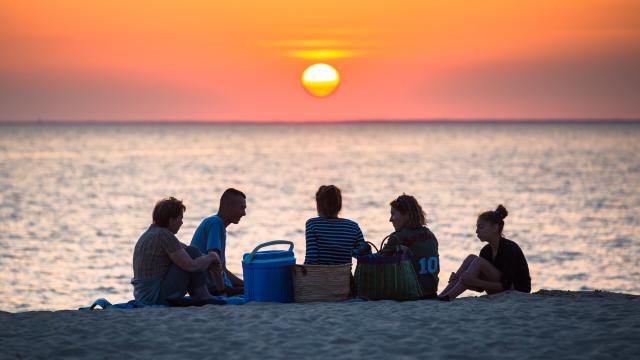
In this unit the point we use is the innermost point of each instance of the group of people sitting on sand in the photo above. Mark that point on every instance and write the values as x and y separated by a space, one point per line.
166 269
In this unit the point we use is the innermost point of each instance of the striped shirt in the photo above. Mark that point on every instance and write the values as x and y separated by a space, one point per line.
331 241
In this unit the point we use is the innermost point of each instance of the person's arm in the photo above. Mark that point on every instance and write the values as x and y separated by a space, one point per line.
217 275
361 248
214 238
186 263
216 270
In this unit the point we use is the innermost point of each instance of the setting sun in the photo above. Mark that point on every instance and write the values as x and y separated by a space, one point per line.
320 79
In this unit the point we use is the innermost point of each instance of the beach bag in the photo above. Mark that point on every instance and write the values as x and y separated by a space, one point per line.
313 283
391 277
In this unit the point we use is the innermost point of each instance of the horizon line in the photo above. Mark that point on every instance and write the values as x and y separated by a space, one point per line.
319 122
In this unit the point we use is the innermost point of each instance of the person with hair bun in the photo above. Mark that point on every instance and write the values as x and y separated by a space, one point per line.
501 265
409 222
331 240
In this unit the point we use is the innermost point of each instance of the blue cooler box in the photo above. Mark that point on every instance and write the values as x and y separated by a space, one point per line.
267 274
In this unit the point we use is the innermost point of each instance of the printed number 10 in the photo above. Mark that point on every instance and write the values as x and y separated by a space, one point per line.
428 266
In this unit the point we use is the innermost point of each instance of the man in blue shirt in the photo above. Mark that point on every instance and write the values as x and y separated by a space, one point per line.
211 236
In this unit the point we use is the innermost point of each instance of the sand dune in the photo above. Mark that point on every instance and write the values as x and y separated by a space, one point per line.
545 325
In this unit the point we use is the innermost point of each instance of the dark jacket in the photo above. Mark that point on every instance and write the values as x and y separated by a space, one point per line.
512 265
424 255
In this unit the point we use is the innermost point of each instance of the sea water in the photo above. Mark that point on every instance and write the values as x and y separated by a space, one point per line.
75 198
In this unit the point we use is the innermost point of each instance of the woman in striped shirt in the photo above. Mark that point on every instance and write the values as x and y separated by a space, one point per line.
332 240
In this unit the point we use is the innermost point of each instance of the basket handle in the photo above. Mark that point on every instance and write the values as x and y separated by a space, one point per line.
373 245
383 240
399 249
269 243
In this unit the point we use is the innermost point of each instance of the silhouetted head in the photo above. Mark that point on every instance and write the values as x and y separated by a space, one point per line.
328 201
168 214
407 213
490 223
233 206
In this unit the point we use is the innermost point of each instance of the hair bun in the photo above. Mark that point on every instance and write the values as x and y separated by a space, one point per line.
502 212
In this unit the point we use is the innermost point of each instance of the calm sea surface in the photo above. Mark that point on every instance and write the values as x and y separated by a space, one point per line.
74 199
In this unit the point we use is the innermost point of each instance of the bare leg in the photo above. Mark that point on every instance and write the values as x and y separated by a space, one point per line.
463 268
200 293
197 281
480 269
218 277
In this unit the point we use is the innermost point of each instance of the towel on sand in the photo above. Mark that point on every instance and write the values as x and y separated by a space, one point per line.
182 302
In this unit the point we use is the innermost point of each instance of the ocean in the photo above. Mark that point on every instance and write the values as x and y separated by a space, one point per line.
75 198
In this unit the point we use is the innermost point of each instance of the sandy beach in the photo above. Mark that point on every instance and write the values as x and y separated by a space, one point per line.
547 324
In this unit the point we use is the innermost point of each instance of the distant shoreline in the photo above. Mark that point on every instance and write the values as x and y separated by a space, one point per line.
333 122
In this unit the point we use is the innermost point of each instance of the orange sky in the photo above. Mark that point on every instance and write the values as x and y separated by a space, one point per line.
428 59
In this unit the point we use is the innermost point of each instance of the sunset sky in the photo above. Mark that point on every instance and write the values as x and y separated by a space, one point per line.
242 60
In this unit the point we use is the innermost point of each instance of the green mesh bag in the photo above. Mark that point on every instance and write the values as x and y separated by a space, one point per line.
391 277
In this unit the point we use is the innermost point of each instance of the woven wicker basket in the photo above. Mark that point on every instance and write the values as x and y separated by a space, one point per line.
312 283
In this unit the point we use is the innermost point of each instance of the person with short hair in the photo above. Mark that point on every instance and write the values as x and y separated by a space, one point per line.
165 269
409 222
331 240
501 265
211 237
